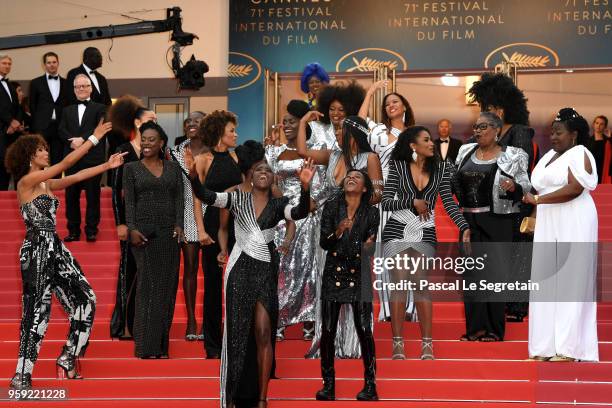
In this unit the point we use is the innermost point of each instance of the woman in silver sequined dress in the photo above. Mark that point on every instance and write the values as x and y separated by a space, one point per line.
302 257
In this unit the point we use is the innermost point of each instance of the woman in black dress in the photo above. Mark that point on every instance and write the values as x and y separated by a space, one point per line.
154 215
599 146
127 114
348 233
251 280
218 170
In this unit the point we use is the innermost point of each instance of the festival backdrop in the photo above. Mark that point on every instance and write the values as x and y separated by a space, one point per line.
359 35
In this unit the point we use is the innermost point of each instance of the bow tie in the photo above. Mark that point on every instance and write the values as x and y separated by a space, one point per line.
93 72
53 77
83 103
443 141
4 79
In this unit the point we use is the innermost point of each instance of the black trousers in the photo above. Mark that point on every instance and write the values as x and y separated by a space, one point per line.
73 204
362 313
491 234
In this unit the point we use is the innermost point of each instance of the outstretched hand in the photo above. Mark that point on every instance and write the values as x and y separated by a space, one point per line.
378 85
306 173
116 160
274 137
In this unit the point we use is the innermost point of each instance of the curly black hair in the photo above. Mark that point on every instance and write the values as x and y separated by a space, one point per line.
213 125
249 153
574 122
123 113
349 95
402 150
498 90
19 154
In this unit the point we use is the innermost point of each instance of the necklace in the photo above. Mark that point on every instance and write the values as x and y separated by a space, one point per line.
482 155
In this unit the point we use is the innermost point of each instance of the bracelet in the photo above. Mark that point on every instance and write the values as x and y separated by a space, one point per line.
536 198
378 182
94 140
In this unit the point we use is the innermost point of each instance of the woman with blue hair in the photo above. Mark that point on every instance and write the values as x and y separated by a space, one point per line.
314 77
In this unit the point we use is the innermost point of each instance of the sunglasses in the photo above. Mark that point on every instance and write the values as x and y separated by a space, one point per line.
482 126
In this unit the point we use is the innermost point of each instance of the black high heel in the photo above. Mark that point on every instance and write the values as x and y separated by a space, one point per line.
21 381
66 364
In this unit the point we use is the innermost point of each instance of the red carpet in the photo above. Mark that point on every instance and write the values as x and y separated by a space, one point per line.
464 374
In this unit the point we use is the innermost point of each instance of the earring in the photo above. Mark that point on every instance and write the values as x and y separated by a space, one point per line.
404 117
30 164
414 155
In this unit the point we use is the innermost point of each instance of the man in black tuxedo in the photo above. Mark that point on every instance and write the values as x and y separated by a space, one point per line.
77 124
47 99
92 60
11 116
447 146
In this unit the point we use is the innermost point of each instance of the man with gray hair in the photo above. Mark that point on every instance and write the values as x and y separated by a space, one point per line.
11 116
77 124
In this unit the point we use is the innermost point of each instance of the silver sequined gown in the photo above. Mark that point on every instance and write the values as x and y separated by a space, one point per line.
299 268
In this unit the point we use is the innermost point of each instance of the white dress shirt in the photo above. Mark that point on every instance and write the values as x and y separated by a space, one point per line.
6 88
54 88
444 147
94 79
81 109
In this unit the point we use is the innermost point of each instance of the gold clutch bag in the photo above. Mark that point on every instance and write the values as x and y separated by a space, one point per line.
528 225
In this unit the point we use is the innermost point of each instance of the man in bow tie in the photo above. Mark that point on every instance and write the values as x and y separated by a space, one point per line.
47 99
447 146
76 126
11 116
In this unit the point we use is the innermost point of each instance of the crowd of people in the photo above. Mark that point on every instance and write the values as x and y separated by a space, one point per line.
286 230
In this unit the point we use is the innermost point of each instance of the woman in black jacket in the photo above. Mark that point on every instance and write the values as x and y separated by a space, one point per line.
348 233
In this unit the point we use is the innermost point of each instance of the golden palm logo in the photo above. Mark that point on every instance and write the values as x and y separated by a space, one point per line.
238 71
369 64
243 70
371 59
526 61
523 55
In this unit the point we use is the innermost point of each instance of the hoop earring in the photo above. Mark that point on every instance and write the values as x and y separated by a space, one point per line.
414 155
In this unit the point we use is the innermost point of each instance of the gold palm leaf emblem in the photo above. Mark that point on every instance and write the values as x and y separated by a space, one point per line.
527 61
369 64
238 71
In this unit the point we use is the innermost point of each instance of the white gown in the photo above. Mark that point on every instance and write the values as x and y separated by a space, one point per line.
563 312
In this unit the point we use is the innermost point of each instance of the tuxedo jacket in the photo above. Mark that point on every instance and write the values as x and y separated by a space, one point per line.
42 103
9 110
69 127
102 96
453 148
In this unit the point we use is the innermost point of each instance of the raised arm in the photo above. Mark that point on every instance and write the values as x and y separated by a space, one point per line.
319 156
305 174
365 106
34 178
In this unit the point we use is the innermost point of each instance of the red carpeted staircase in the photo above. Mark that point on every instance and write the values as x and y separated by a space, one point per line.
463 375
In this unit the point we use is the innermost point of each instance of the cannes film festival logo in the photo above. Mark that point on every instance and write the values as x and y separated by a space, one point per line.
242 70
523 55
371 59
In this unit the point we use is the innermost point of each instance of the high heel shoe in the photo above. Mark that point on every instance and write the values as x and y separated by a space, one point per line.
67 365
398 349
427 348
21 381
